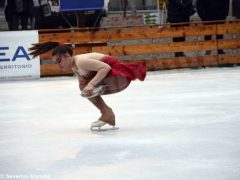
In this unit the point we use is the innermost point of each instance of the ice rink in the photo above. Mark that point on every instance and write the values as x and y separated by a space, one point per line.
176 125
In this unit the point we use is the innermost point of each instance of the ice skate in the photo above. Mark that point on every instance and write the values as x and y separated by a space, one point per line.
102 126
98 124
108 116
105 122
96 92
107 119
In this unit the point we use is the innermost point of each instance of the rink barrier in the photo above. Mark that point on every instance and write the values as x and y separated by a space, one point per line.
151 44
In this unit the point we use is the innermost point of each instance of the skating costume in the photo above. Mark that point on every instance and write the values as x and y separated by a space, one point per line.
131 71
121 74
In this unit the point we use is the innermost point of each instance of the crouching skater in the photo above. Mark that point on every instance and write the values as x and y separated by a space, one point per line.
98 74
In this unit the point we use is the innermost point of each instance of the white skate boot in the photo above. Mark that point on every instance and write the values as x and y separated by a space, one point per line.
96 92
97 126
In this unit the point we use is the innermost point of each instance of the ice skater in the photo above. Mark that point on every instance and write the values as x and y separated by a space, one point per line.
98 74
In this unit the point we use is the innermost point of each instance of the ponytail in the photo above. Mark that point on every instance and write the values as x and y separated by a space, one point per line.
41 48
57 47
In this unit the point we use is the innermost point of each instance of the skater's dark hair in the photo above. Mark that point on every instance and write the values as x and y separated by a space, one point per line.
58 48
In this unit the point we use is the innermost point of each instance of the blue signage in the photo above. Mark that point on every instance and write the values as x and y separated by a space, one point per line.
20 52
81 5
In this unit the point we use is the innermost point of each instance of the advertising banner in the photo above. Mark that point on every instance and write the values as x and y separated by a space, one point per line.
81 5
151 18
15 63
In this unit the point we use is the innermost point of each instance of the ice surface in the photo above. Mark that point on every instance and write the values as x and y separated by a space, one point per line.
176 125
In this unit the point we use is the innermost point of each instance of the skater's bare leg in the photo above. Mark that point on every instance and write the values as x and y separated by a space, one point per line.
114 84
107 114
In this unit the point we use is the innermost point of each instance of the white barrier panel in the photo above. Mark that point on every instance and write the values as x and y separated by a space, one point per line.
15 63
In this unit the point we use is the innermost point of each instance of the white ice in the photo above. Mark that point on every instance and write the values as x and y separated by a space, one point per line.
176 125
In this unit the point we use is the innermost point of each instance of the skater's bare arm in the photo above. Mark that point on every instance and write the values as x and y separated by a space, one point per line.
100 67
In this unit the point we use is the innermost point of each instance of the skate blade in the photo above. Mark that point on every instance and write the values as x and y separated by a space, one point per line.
96 92
98 129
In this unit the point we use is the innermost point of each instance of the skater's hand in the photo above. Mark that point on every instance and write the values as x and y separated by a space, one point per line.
88 89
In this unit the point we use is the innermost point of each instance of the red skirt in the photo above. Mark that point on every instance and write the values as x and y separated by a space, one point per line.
120 75
131 71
